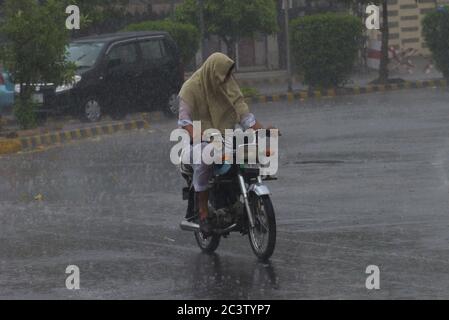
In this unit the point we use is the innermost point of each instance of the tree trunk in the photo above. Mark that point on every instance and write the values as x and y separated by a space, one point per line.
230 45
231 51
384 60
282 43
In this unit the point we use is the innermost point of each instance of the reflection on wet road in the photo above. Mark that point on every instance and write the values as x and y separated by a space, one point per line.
363 181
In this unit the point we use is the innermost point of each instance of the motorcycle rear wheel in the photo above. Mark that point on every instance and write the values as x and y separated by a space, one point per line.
263 236
207 245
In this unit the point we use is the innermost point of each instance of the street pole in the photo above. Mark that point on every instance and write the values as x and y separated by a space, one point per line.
287 41
202 29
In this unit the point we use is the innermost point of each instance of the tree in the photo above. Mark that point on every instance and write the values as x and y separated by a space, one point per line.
35 49
436 33
231 20
385 30
324 47
98 16
384 60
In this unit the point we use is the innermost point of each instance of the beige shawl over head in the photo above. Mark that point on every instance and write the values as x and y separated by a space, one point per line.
217 103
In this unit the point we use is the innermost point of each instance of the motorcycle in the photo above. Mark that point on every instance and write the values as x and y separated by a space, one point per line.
239 201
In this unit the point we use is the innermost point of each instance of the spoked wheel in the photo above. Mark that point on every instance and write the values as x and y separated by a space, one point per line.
91 111
209 244
263 236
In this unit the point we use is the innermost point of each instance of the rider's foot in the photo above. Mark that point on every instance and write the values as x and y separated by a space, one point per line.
205 227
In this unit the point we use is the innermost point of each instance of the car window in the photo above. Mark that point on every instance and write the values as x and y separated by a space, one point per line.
126 53
84 54
170 47
152 49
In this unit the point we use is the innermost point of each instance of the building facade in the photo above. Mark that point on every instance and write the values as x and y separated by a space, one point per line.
262 52
268 52
405 22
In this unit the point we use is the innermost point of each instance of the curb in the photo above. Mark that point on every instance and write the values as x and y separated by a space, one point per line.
8 146
304 95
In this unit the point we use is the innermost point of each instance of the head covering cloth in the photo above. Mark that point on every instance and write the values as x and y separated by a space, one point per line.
214 97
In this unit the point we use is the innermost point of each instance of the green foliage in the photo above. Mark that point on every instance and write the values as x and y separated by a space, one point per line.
35 47
95 12
436 33
186 36
36 36
231 19
25 113
249 91
324 47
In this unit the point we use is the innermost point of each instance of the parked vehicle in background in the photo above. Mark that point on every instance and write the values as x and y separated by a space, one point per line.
6 93
117 74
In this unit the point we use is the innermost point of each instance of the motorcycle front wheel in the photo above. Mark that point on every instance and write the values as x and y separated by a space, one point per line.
263 236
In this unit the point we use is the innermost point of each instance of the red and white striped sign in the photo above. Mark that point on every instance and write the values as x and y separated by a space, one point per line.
374 54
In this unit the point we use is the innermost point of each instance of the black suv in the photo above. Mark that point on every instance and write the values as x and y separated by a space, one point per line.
117 74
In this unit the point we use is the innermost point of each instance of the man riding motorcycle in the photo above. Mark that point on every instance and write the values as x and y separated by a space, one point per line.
213 97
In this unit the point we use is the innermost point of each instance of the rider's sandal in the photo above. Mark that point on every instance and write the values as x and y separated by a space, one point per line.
205 227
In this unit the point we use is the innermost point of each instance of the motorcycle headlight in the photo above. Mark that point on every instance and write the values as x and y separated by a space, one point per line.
68 86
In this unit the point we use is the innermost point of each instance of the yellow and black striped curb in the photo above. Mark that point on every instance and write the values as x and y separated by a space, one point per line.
8 146
303 95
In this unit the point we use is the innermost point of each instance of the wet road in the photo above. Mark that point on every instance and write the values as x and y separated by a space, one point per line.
363 181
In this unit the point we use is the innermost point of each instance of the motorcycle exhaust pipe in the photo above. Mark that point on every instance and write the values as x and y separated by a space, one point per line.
189 226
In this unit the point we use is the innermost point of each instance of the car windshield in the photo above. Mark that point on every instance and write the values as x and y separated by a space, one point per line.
84 55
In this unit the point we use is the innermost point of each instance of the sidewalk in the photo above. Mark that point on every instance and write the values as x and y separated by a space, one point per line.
275 82
270 86
63 123
57 132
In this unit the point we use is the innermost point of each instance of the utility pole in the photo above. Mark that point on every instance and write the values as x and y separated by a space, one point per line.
202 30
287 4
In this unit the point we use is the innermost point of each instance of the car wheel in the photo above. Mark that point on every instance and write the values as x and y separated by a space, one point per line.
91 110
